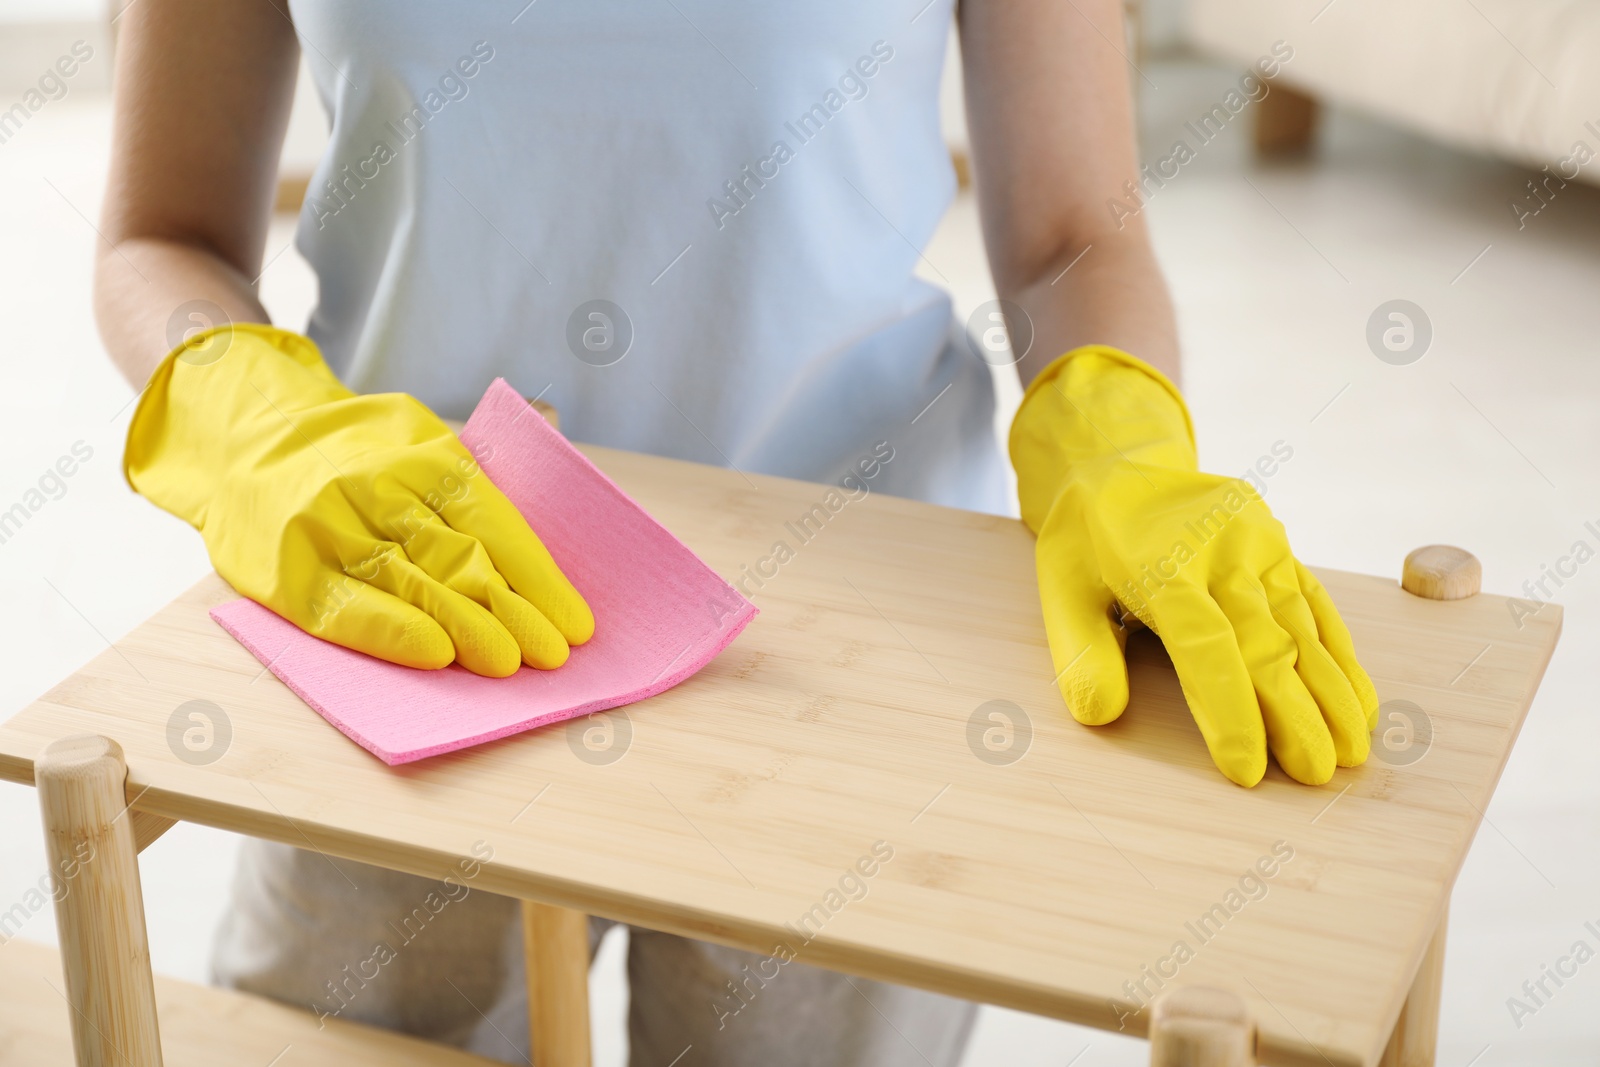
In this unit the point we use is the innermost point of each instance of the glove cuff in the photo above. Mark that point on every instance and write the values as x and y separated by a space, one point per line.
178 439
1092 404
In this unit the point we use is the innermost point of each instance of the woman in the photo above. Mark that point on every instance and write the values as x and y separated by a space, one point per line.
693 228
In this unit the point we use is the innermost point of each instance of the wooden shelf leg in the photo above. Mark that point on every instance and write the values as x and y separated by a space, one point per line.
1416 1032
105 956
1286 121
555 942
1195 1026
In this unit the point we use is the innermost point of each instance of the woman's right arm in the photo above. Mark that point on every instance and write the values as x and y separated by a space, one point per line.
203 89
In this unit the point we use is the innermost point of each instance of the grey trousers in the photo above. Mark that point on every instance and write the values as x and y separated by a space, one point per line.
441 960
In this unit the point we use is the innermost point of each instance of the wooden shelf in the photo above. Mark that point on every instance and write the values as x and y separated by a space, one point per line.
200 1026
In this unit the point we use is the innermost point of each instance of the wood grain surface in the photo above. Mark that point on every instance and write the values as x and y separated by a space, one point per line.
200 1027
105 954
852 728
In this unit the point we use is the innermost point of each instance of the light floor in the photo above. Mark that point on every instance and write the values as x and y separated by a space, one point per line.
1488 442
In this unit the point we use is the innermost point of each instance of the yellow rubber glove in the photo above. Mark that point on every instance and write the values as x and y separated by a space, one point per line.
360 519
1106 470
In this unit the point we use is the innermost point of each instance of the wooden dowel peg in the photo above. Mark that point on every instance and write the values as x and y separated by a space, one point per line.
1442 572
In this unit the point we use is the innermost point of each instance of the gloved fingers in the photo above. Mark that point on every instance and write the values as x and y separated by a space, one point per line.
1086 644
483 644
517 553
1296 732
349 612
1215 679
541 643
462 563
1323 678
1086 651
1335 637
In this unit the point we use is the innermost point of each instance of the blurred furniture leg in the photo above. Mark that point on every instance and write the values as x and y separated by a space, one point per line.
1286 120
105 957
291 192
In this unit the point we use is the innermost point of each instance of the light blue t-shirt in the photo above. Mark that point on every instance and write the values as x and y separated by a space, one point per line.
692 225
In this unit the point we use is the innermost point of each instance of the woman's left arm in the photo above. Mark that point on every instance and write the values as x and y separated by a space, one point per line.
1051 117
1107 473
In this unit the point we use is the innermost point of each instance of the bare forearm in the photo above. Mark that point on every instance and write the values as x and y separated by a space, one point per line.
194 159
150 293
1106 291
1052 120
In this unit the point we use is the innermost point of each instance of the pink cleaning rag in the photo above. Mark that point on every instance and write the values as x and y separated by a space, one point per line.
660 613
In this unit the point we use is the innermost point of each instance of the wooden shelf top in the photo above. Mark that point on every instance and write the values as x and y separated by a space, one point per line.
855 714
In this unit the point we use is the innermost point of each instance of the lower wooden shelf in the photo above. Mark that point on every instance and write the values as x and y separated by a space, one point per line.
200 1026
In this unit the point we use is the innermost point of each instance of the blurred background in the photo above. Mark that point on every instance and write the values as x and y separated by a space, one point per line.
1426 159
